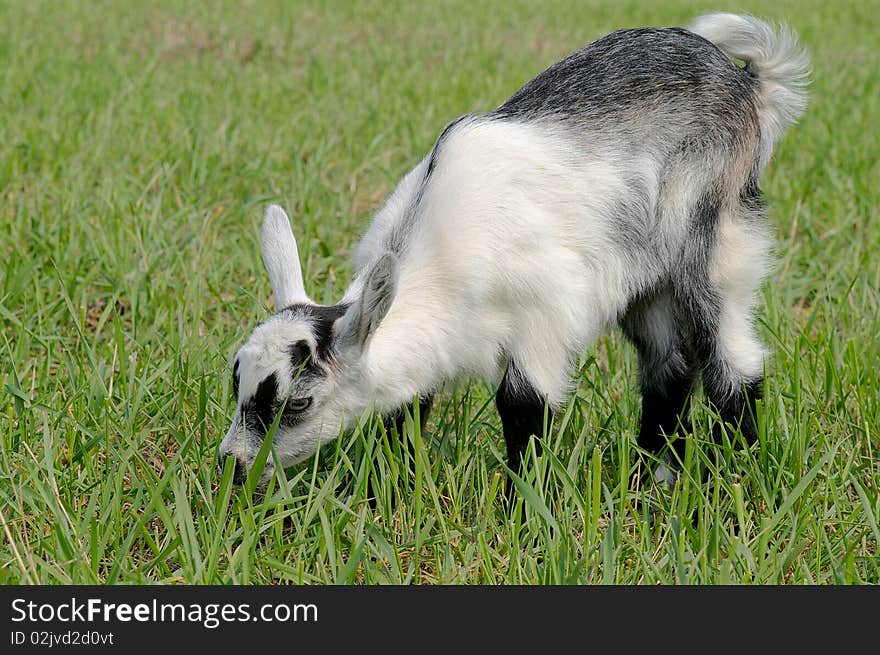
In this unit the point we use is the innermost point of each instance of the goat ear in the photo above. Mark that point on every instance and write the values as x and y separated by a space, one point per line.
365 314
281 259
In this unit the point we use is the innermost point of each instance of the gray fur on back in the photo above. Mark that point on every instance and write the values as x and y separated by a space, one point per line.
640 74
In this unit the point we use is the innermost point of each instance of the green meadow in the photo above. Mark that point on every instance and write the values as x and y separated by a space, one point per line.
139 146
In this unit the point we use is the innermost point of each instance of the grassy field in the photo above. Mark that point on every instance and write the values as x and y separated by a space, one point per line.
138 148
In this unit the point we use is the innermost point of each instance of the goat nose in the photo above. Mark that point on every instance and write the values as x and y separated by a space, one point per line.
239 474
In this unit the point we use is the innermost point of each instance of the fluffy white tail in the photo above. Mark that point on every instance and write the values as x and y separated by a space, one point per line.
774 57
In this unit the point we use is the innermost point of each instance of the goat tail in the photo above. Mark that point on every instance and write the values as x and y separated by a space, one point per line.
774 57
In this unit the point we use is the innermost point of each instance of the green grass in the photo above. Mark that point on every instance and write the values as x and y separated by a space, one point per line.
138 147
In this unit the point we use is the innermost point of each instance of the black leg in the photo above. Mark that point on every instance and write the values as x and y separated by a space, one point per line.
737 407
667 374
521 408
665 412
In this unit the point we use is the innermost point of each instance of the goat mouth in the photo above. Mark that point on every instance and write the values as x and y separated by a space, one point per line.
262 482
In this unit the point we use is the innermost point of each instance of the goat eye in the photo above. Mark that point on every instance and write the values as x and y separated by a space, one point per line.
299 404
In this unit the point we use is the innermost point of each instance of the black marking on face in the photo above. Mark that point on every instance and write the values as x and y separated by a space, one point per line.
259 410
323 317
303 365
235 379
300 356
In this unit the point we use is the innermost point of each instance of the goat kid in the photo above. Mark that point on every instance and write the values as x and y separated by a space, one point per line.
620 187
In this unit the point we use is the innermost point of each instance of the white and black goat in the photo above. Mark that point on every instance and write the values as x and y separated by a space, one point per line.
618 187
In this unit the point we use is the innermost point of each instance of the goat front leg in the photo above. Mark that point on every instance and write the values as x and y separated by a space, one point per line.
521 408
